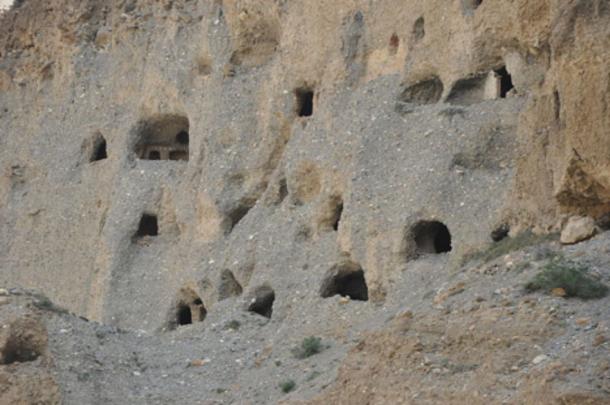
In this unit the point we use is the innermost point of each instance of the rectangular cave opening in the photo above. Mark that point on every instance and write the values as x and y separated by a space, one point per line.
163 137
506 81
305 98
148 226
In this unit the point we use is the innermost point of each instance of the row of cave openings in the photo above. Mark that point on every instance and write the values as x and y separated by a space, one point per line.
346 279
167 137
491 85
161 138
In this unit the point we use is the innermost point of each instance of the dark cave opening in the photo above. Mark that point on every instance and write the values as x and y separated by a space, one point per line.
506 81
148 226
262 303
432 237
184 316
99 151
304 102
347 280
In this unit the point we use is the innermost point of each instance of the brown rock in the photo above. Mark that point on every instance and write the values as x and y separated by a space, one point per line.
443 295
599 340
199 362
578 229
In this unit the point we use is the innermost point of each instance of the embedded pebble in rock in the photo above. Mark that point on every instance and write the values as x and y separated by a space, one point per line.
539 359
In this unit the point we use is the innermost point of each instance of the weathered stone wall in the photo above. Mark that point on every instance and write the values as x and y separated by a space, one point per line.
260 194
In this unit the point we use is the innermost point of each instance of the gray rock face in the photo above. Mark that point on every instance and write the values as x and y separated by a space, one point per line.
174 173
213 181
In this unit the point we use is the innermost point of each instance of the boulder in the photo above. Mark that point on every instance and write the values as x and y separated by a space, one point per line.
578 229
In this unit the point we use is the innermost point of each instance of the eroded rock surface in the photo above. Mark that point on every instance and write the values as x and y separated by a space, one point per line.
253 172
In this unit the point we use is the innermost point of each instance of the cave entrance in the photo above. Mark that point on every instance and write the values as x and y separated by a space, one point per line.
345 279
164 137
94 148
304 98
184 316
188 309
427 91
337 215
431 237
262 303
99 150
506 81
148 226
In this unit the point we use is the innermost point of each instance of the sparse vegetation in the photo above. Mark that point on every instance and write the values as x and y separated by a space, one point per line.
287 386
314 374
42 302
233 325
308 347
508 245
521 267
571 277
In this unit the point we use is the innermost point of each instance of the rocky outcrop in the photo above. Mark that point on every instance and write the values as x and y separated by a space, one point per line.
578 229
164 163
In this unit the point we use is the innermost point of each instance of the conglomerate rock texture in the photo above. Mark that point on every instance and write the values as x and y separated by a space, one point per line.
175 162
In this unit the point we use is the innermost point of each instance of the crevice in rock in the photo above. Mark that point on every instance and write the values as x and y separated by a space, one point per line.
394 44
419 29
283 190
500 233
228 286
469 6
428 91
330 213
238 213
557 105
338 211
470 90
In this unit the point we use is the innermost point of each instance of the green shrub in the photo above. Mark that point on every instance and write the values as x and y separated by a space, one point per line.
233 325
308 347
287 386
314 374
569 276
507 245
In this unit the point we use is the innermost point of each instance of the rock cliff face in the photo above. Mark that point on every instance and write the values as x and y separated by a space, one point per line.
179 162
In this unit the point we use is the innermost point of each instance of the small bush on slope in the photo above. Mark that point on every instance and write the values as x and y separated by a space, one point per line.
569 276
309 346
287 386
507 245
